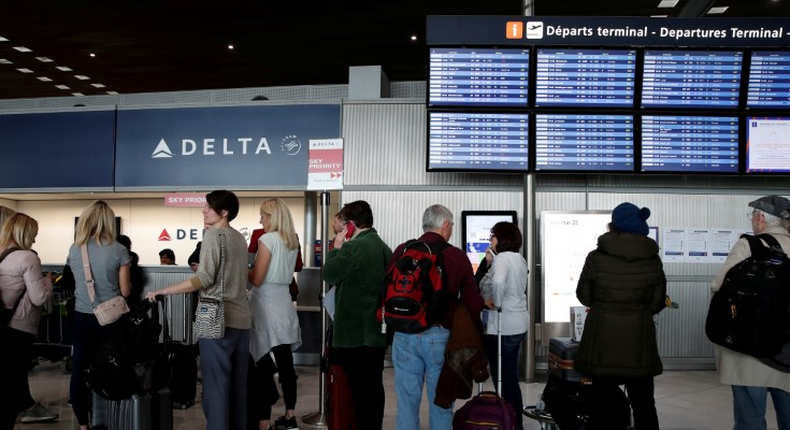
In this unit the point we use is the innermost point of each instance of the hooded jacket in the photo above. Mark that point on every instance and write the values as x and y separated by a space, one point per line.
624 285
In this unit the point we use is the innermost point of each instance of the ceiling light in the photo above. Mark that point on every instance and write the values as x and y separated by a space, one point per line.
44 79
659 16
231 47
24 70
22 49
92 55
5 61
78 94
3 39
112 93
64 69
717 10
82 77
98 85
413 38
44 59
668 4
62 87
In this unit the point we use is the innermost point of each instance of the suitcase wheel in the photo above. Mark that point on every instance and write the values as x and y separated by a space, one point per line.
67 365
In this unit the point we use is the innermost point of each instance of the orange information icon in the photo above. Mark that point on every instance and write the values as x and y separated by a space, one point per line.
514 30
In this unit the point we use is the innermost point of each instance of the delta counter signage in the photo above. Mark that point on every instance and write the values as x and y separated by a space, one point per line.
238 147
63 151
606 31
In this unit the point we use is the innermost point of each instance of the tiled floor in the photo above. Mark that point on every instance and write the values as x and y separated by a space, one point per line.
686 400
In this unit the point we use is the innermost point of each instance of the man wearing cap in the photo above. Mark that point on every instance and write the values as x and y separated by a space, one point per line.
750 379
624 285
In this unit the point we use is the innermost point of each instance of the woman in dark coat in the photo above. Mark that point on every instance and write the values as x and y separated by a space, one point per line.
624 285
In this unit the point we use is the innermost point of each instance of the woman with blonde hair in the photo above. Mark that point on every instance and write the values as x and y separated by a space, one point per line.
275 325
109 266
24 289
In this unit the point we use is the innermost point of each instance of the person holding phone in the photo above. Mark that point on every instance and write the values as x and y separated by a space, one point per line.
505 286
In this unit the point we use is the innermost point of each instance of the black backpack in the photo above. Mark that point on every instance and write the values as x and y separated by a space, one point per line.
751 311
125 362
413 297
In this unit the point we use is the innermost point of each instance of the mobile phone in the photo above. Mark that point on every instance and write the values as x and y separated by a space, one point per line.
350 227
493 251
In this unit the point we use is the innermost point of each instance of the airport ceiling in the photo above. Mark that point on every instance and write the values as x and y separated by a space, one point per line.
170 45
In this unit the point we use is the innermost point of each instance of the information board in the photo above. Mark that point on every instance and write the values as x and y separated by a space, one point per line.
690 144
584 142
683 79
566 238
478 77
769 80
478 141
588 77
768 145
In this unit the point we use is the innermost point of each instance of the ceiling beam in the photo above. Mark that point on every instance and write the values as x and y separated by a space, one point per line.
696 8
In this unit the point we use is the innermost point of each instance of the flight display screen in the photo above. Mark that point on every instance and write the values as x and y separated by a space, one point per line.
478 141
478 77
691 79
690 144
584 142
585 77
769 80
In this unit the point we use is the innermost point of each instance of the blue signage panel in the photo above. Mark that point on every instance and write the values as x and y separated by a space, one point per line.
239 147
64 150
606 31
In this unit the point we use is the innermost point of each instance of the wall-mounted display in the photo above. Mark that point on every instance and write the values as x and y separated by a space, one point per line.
691 79
769 80
690 144
768 145
478 77
478 141
585 77
584 142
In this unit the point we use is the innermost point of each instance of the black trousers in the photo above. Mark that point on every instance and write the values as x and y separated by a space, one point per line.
607 401
14 364
261 388
364 369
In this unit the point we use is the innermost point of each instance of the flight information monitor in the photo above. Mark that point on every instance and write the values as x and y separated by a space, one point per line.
691 79
478 77
768 145
585 77
478 141
769 80
690 144
584 142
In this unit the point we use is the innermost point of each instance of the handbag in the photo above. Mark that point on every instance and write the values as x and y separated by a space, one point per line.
106 312
210 313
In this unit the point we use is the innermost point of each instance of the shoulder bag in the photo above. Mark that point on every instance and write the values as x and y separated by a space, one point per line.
106 312
210 314
7 314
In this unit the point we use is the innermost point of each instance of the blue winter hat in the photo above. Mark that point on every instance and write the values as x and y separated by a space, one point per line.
627 218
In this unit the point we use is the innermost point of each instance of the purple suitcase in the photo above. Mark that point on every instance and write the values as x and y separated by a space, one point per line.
487 411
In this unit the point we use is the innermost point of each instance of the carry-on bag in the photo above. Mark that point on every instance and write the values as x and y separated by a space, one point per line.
179 366
147 411
340 406
487 410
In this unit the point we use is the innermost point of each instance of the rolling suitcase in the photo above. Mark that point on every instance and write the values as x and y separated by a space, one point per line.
339 405
179 365
487 411
140 412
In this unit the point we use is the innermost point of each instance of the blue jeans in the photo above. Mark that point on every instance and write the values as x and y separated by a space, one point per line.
419 358
511 391
749 407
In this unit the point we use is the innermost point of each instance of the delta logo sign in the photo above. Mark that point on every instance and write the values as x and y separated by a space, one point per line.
209 146
192 234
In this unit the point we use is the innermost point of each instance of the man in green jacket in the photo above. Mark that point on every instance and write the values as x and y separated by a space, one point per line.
356 266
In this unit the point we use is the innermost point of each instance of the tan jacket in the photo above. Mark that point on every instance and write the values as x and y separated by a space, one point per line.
741 369
20 274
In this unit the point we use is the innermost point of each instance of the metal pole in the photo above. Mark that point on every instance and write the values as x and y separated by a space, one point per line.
310 212
318 419
530 248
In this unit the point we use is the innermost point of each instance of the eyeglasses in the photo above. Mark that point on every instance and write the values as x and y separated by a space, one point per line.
751 215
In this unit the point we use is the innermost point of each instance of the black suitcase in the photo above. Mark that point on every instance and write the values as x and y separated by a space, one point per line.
140 412
179 364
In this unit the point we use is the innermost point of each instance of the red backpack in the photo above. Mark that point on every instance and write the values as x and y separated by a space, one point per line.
413 295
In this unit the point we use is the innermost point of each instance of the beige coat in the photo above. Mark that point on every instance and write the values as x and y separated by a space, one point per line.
741 369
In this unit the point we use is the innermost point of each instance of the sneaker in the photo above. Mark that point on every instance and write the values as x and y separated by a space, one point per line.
38 414
283 423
